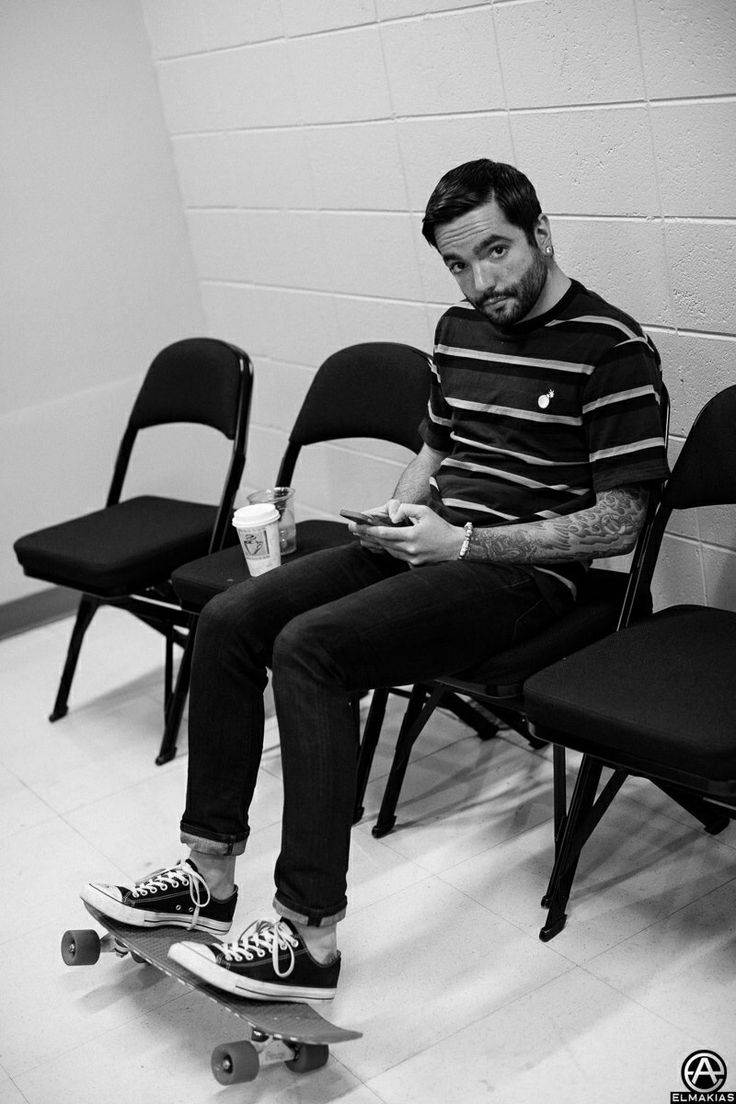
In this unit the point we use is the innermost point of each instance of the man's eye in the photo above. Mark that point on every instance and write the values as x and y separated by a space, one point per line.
498 251
455 267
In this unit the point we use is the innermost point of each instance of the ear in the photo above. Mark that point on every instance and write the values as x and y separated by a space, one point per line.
542 233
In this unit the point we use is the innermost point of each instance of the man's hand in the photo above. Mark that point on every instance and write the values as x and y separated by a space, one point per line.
426 539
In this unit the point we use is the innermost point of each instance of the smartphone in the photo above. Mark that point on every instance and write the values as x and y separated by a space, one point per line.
370 519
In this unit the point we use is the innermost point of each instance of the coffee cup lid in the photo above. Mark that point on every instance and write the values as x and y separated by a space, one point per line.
261 513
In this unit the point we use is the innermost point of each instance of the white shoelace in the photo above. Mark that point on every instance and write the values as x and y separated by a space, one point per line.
183 874
261 938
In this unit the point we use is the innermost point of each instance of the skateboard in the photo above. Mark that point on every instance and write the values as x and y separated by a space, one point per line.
278 1031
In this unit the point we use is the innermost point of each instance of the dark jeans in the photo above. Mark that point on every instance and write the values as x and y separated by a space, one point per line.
327 625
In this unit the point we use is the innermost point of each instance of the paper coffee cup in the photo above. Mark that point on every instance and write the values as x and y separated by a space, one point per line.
258 532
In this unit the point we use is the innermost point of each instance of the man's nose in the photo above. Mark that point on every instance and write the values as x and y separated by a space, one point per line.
483 278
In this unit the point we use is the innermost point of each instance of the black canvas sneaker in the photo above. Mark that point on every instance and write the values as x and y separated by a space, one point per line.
269 961
177 896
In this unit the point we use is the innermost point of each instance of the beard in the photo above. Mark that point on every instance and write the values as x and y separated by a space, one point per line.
507 306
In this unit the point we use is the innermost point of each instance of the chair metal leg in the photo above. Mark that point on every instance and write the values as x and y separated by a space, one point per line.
85 612
559 790
175 701
470 715
368 745
418 712
713 819
584 815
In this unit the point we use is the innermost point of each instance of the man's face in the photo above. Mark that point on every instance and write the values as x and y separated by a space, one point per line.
496 267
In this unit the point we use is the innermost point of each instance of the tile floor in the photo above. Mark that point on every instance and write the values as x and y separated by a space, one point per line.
457 998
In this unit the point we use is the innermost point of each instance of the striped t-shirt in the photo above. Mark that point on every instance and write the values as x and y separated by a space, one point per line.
538 419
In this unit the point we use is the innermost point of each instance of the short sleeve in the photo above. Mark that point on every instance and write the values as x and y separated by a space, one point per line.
622 416
435 428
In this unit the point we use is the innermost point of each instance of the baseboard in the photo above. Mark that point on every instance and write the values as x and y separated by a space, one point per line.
36 609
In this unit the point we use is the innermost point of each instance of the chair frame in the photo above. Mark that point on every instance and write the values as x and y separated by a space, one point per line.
713 804
156 605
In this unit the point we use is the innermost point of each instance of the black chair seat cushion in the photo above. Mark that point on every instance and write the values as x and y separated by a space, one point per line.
195 583
630 698
113 551
595 615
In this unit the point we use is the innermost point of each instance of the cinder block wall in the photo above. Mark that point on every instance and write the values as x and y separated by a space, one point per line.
307 135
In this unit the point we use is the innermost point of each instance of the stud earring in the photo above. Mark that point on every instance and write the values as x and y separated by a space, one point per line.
549 251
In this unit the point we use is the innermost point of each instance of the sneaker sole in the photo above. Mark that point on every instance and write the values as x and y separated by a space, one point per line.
138 918
190 956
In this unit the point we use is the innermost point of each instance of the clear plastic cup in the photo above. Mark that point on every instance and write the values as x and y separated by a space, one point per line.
258 532
283 499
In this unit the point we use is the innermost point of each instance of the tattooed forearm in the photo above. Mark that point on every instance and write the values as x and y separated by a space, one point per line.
609 528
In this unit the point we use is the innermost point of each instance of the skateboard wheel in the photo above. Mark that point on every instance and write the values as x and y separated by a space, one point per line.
80 948
139 959
309 1056
233 1063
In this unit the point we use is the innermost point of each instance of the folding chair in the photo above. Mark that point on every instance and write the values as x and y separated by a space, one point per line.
123 554
497 685
373 390
656 699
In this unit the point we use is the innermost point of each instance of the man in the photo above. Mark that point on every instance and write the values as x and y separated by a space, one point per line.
543 430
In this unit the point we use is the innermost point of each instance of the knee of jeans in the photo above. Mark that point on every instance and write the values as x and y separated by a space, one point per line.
302 643
221 618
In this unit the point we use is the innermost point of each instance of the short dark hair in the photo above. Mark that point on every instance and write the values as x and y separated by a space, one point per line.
474 183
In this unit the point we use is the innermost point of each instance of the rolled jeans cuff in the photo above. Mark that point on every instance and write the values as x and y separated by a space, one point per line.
208 846
303 918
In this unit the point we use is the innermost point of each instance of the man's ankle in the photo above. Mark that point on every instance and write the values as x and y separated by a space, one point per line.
218 871
320 942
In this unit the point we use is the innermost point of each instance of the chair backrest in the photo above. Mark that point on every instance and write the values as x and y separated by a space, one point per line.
704 474
377 389
196 380
203 381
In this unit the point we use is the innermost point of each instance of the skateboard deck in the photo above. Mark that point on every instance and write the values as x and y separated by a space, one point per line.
286 1031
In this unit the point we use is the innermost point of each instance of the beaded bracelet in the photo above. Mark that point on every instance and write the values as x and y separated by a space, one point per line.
466 542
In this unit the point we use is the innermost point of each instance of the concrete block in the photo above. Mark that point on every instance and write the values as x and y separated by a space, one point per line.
204 170
580 162
266 446
280 248
398 9
188 94
360 319
279 393
431 147
301 325
340 77
622 260
696 157
254 87
443 63
370 254
217 244
233 23
298 327
688 47
239 313
302 17
174 27
702 257
357 166
717 526
695 367
271 168
678 576
569 52
720 575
